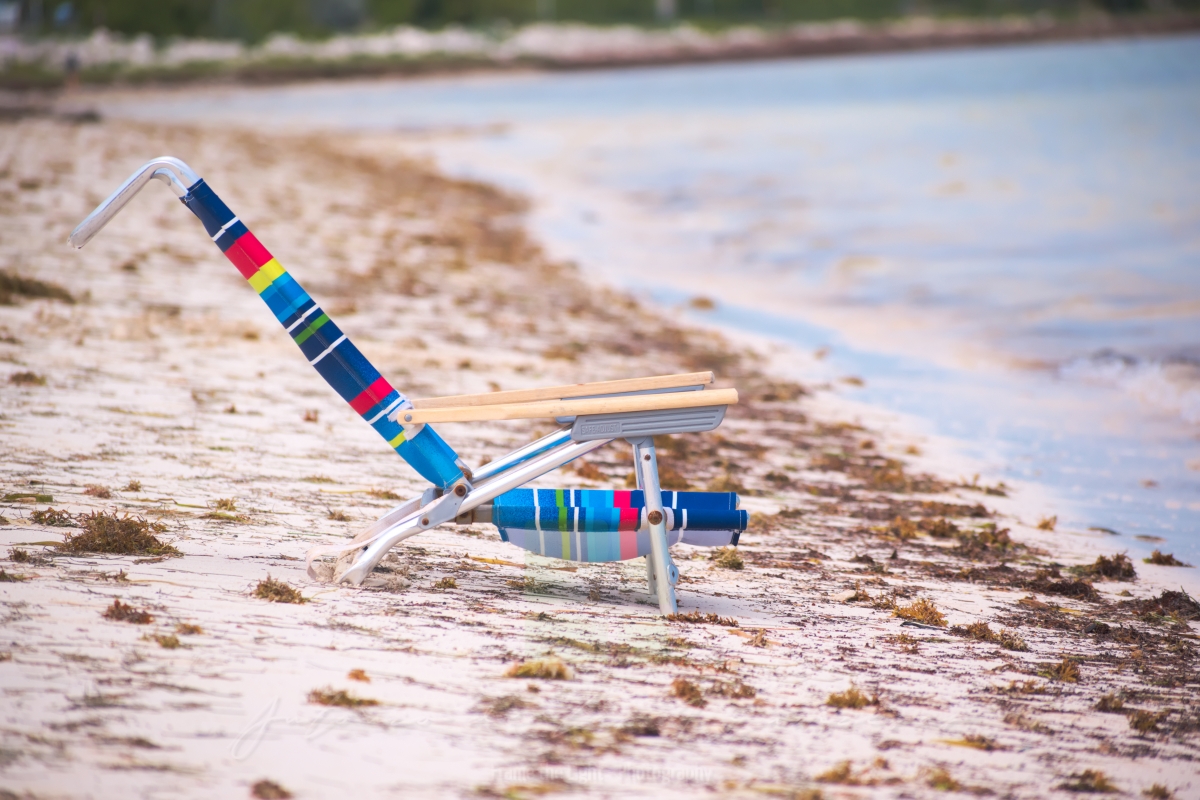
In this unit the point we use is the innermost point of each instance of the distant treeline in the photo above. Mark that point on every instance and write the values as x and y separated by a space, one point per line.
252 20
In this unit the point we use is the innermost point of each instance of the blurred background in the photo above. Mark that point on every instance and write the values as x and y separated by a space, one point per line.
254 20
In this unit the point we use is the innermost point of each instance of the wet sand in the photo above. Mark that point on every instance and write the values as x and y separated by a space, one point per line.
167 374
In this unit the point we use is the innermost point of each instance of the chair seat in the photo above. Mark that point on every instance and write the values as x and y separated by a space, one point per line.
599 525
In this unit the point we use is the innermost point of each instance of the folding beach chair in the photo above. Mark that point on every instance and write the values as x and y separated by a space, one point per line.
573 524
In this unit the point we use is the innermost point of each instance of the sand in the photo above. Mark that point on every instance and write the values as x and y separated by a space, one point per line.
170 394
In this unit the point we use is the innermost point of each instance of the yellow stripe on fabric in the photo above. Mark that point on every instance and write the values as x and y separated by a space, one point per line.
266 275
399 440
566 545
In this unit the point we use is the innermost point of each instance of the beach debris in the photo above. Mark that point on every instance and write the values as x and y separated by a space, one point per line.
688 692
446 583
982 632
188 629
269 790
1047 523
225 504
276 591
500 706
96 490
28 497
642 725
27 378
696 618
1110 703
1051 581
13 286
852 698
727 558
1157 791
550 668
1146 721
1179 605
701 303
842 773
1114 568
975 741
7 577
167 641
358 675
939 778
1066 670
340 698
1164 559
132 486
1090 780
53 518
117 535
123 612
922 611
735 689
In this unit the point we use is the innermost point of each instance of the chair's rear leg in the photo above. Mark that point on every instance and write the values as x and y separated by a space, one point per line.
660 568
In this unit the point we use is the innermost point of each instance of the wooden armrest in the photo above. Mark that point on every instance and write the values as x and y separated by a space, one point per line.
571 390
571 408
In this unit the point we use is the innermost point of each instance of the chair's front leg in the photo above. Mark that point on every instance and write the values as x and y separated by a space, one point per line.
646 461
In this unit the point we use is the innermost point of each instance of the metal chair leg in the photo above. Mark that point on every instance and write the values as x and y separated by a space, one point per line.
660 569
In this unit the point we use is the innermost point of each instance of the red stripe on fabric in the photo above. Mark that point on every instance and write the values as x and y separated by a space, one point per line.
630 519
247 254
371 396
621 499
628 545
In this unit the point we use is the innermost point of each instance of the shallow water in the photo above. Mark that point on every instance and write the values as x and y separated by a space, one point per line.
1004 244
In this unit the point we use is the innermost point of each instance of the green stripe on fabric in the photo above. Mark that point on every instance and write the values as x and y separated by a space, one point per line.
311 329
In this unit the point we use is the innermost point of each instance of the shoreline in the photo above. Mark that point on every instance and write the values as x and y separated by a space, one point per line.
166 370
581 48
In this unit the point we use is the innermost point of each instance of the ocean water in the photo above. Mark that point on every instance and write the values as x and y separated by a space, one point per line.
1003 244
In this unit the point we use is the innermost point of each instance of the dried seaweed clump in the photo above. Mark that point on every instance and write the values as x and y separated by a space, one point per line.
922 611
12 285
852 698
1113 568
1164 560
1146 721
688 692
340 698
1066 670
115 535
982 632
1090 780
1180 605
727 558
52 517
550 668
27 378
269 790
695 618
278 592
122 612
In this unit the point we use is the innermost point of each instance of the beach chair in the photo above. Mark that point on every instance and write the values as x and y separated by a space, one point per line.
575 524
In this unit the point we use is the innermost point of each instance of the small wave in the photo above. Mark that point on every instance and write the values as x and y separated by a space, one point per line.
1170 385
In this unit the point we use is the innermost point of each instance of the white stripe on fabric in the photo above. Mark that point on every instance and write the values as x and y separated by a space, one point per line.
226 227
537 523
328 350
386 411
683 525
305 316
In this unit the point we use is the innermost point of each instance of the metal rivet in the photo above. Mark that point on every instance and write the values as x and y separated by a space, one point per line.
408 417
460 490
646 457
424 520
655 517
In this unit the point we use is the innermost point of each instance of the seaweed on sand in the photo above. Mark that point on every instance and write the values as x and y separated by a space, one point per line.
550 668
117 535
278 592
340 698
123 612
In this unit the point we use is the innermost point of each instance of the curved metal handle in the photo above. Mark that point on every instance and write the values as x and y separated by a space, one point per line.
171 171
